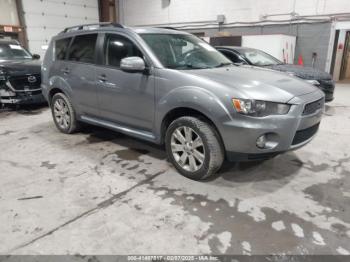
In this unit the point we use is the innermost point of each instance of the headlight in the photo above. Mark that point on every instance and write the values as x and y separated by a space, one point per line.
313 82
259 108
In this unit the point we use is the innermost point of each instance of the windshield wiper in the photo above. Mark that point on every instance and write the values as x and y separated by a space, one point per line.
186 66
223 64
194 67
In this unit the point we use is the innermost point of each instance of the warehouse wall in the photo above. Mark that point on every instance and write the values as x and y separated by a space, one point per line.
148 12
202 14
45 18
8 12
311 38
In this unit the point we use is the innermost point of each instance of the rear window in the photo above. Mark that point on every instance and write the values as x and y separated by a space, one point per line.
61 48
83 48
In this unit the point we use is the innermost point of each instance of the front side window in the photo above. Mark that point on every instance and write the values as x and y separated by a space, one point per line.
13 51
180 51
259 58
118 47
61 47
83 48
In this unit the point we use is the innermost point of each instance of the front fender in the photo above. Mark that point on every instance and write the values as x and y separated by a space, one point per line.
195 98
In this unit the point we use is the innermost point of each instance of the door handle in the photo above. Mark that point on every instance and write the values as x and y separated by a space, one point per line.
65 71
102 78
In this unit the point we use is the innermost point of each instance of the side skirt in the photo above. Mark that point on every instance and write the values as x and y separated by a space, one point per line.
141 134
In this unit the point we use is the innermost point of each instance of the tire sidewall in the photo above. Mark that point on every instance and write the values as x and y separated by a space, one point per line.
70 110
202 172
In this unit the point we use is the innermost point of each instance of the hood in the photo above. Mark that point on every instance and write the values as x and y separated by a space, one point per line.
307 73
20 67
255 83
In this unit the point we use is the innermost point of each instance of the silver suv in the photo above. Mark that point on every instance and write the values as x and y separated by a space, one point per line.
170 87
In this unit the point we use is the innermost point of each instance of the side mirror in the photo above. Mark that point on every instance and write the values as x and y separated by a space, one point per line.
132 64
36 56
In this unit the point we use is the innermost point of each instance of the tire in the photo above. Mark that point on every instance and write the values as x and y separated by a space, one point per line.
211 151
67 122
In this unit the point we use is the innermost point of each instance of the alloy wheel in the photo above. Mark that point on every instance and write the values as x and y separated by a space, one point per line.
187 148
61 113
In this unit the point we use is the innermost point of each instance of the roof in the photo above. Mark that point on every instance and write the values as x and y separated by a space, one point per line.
156 30
9 41
118 27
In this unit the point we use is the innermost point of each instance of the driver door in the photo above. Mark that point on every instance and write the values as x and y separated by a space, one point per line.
125 98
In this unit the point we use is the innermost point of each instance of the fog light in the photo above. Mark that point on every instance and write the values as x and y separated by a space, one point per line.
261 141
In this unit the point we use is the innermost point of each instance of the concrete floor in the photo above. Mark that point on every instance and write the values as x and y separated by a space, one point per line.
101 192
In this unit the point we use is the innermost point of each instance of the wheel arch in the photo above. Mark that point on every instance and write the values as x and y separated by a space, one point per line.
54 91
178 112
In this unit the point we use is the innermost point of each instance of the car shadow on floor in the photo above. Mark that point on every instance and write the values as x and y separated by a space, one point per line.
278 168
23 109
137 146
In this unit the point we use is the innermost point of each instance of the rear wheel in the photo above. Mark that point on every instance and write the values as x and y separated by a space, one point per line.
63 114
194 148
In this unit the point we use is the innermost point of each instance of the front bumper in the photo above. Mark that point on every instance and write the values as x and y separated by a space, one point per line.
327 86
284 132
20 98
20 89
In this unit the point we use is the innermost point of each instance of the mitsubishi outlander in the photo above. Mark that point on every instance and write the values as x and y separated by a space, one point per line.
170 87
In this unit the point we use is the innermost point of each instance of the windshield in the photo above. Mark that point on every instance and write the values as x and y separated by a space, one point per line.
259 58
179 51
13 52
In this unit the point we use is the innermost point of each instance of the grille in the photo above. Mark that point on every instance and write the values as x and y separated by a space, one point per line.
20 83
305 134
313 107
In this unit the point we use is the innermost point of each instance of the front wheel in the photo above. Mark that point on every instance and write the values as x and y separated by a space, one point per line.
194 148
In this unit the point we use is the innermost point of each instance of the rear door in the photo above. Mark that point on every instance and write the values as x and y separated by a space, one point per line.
79 70
124 97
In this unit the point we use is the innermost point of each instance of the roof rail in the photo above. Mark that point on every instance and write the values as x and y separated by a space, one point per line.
168 27
91 26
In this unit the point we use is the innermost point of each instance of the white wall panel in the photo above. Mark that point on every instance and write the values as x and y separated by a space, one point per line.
46 18
280 46
148 12
8 12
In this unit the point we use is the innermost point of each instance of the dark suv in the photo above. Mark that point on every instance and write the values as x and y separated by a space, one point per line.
19 75
170 87
255 57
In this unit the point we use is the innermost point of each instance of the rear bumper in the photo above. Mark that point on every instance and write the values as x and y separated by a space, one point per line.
283 132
